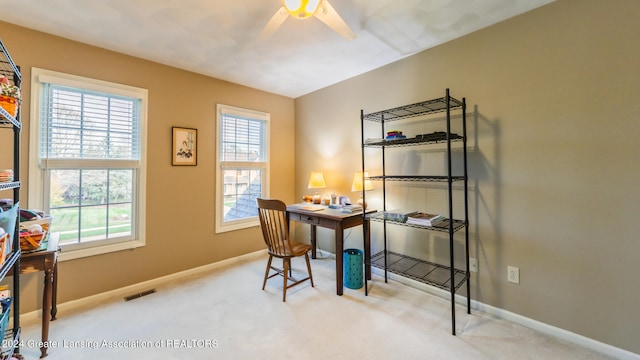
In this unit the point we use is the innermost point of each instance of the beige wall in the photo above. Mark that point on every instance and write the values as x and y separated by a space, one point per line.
180 200
553 119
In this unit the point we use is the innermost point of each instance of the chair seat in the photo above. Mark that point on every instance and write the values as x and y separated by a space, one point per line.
292 249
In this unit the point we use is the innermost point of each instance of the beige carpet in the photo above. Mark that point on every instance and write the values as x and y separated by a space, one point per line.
223 314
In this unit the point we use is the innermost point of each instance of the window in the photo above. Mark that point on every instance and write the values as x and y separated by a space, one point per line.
242 171
87 161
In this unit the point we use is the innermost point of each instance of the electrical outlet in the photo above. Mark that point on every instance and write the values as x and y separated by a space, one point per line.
513 274
473 265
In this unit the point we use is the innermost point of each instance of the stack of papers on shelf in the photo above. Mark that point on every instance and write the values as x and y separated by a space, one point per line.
400 215
349 209
424 219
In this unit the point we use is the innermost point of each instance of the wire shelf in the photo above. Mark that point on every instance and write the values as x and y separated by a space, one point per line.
426 178
412 141
413 110
420 270
9 185
442 226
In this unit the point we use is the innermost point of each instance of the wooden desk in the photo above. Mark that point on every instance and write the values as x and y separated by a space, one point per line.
47 261
338 221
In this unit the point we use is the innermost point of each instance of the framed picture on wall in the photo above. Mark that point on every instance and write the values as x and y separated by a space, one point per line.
184 150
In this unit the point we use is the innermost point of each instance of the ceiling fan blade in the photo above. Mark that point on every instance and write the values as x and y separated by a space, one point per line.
328 15
276 20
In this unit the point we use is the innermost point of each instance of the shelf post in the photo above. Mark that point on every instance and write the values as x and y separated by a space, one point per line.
364 210
466 200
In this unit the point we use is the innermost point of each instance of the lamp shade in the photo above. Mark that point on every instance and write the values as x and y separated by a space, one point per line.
316 181
357 182
301 9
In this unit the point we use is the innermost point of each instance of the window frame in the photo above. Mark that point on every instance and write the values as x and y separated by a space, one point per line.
221 225
38 174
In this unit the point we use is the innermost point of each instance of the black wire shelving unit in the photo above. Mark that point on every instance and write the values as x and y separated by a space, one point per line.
442 276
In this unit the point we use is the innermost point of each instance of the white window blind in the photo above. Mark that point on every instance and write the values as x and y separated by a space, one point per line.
243 139
84 124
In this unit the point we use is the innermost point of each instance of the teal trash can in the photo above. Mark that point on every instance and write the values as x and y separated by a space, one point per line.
352 270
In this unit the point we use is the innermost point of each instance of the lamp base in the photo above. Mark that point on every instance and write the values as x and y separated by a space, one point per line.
317 199
362 203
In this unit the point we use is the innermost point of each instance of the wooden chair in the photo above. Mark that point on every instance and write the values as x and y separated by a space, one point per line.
275 231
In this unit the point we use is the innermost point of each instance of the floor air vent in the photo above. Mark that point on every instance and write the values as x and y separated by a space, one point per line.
139 295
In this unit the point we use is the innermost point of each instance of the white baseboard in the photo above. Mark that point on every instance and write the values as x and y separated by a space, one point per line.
588 343
139 287
556 332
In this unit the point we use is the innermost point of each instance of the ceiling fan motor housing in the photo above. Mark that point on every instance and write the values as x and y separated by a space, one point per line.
302 9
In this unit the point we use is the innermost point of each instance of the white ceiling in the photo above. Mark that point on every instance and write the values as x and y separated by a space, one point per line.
219 38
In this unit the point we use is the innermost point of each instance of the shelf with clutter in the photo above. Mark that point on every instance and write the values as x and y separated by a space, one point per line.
9 97
10 82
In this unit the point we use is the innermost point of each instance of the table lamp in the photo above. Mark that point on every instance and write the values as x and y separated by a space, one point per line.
316 181
358 179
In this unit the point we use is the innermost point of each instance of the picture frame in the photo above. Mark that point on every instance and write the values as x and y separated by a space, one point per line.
185 144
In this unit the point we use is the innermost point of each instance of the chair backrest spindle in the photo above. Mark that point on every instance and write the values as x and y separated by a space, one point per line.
275 230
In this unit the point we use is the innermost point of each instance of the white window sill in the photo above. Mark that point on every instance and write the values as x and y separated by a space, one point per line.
69 253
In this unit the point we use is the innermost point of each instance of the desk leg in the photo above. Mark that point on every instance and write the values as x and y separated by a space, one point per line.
54 292
46 308
313 241
339 249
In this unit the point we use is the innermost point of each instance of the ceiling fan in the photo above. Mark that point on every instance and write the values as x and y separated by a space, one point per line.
304 9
